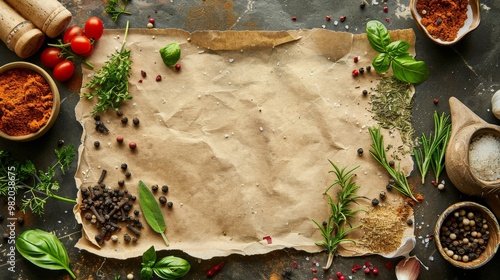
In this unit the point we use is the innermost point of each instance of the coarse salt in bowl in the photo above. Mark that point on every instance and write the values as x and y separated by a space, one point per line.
56 102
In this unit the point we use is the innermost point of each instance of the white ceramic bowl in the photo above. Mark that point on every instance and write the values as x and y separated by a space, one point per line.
472 22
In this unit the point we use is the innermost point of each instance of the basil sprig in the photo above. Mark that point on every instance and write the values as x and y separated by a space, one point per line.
152 211
169 267
44 250
404 66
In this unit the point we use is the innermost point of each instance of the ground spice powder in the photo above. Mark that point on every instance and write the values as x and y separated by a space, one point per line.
25 102
443 18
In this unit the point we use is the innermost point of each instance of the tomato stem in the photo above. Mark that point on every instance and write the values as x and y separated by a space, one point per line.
68 54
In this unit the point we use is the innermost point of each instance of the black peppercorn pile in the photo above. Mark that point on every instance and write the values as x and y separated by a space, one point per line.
464 235
107 208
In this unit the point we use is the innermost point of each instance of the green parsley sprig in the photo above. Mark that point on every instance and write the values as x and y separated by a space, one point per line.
39 185
110 84
378 153
434 147
114 9
335 230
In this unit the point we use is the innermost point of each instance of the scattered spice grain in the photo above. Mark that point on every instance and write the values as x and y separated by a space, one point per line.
26 102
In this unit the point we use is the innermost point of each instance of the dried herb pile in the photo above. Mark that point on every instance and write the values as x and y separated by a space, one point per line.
391 105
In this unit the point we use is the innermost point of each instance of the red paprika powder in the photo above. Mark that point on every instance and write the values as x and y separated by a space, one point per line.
26 102
443 18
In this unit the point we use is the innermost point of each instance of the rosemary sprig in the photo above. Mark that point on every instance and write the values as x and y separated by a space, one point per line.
114 9
432 153
334 231
110 84
378 153
39 185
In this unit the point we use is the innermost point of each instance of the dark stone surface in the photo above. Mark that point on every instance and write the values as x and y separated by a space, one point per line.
468 70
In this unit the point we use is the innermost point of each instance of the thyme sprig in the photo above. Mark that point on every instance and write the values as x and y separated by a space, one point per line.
432 153
335 230
114 9
110 84
39 185
378 153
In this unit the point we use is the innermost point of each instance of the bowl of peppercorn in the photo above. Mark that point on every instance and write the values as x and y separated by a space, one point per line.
29 101
445 22
467 235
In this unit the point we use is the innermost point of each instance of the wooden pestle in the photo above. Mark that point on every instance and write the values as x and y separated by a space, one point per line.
19 34
50 16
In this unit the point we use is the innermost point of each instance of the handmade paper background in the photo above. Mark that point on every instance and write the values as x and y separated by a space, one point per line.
242 135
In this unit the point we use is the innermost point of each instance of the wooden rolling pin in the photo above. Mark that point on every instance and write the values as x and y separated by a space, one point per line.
50 16
19 34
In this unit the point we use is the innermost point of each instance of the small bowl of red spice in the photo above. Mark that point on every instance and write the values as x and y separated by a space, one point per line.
446 21
29 101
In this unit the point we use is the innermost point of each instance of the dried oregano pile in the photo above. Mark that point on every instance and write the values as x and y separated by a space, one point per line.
391 105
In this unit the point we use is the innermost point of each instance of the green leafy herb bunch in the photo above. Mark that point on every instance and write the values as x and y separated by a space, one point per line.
404 66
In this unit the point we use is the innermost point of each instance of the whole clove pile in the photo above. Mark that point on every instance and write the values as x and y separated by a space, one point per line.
107 208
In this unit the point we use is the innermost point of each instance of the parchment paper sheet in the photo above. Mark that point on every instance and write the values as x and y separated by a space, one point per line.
242 135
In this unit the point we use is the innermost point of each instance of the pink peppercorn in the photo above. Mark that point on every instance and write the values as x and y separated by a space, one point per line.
178 66
119 139
343 18
355 73
132 145
328 18
387 19
151 20
375 271
294 18
436 101
342 277
386 9
314 270
158 78
356 59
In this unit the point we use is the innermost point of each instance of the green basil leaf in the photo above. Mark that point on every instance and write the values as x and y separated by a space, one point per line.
407 69
170 54
381 63
398 48
146 273
171 268
44 250
149 257
378 36
152 211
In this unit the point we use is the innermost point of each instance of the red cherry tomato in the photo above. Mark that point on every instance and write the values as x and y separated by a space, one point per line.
80 45
89 52
51 56
71 32
63 70
94 28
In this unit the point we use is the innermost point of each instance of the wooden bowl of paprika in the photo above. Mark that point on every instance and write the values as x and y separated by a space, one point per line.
445 22
467 235
29 101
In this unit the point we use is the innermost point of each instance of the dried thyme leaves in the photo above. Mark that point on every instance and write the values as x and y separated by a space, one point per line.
391 105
